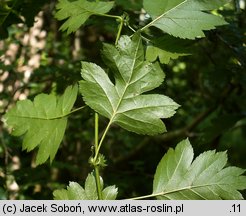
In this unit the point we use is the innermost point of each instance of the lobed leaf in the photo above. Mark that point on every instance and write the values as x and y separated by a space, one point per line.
75 192
166 48
206 178
78 11
184 18
110 193
124 102
42 122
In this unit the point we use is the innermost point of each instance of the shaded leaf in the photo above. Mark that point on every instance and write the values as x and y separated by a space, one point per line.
166 48
42 122
21 11
130 4
75 192
30 9
77 12
7 18
206 178
184 18
124 102
218 126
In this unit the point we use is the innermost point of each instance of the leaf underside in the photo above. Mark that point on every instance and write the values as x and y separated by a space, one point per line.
184 18
206 178
124 102
77 12
75 192
42 122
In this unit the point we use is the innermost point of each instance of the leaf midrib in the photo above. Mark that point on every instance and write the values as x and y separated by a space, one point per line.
163 193
40 118
127 84
84 10
162 15
176 168
88 11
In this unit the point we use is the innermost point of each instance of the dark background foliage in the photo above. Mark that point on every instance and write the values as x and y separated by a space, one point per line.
209 85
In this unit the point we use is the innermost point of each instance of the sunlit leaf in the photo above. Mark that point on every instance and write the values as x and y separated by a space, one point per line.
124 102
75 192
42 122
110 193
184 18
206 178
78 11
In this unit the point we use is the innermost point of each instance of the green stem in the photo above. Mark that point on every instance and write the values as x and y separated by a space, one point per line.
119 30
96 167
101 141
110 122
120 26
96 131
131 28
98 146
98 184
97 149
108 15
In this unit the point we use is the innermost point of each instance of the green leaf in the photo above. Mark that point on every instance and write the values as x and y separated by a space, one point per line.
206 178
76 192
77 12
184 18
123 102
7 17
110 193
42 122
166 48
218 126
130 4
21 11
